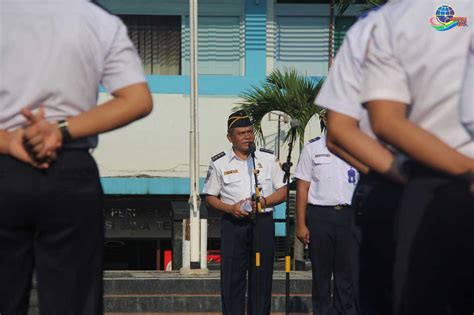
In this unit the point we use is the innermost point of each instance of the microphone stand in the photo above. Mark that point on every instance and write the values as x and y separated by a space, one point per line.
258 206
286 179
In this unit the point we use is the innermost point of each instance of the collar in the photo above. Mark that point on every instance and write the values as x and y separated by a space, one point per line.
233 156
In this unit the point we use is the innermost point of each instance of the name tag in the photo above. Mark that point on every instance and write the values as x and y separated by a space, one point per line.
322 155
231 172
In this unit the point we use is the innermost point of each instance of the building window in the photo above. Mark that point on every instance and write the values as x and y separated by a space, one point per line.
158 41
316 1
163 44
302 42
220 44
302 1
342 25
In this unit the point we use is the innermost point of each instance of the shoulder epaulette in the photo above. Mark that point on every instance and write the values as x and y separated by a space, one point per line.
266 150
314 139
217 156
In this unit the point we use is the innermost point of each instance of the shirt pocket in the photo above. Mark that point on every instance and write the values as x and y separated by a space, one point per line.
232 179
321 168
265 179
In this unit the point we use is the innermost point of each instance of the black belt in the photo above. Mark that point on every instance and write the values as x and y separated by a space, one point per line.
335 207
252 215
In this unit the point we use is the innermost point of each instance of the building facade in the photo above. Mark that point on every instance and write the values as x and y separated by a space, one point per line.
145 166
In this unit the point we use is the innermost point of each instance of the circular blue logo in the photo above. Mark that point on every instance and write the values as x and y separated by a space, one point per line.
444 14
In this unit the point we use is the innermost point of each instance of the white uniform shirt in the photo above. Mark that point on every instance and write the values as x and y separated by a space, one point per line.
340 91
332 180
232 179
411 62
467 97
56 53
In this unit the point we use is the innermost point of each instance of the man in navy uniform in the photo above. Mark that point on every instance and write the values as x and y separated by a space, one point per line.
379 189
54 55
229 188
325 221
413 98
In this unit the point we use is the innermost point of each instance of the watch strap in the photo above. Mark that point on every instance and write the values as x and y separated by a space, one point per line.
63 126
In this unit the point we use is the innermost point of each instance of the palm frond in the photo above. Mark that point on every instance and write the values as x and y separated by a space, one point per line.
371 4
342 5
285 91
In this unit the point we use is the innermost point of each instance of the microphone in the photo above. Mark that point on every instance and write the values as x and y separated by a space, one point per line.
294 123
252 148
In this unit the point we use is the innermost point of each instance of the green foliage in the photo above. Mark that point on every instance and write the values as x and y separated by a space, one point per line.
368 5
289 92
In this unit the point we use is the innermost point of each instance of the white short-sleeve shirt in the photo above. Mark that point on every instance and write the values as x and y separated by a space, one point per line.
55 53
232 180
332 180
340 92
467 96
410 60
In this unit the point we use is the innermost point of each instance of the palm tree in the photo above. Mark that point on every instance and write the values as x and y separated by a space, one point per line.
289 92
293 94
368 5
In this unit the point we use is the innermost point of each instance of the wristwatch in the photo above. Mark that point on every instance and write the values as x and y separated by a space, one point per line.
63 126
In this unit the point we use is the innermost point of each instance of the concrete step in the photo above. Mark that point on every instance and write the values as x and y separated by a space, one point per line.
156 292
193 313
172 293
166 282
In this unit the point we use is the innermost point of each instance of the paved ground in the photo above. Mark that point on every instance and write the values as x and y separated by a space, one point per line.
190 313
213 274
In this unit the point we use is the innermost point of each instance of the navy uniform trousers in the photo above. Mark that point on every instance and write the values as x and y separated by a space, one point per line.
434 267
333 248
51 221
238 241
376 202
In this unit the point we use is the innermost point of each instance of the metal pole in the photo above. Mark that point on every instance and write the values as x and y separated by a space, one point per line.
286 167
331 31
194 251
257 237
278 139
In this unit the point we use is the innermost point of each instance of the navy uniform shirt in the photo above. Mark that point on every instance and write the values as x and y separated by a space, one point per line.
68 48
332 180
232 180
467 97
422 65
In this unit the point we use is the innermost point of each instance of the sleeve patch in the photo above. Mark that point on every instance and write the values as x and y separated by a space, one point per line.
217 156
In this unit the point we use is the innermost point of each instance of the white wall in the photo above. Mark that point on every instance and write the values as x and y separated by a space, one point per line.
158 146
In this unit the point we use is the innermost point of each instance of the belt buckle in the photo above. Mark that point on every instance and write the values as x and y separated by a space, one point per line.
338 207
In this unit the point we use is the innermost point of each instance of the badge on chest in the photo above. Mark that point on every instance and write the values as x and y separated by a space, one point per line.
231 172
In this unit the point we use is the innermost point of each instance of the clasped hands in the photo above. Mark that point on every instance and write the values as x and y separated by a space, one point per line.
37 142
237 209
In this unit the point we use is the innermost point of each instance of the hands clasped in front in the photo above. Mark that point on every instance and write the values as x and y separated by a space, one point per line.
245 207
37 142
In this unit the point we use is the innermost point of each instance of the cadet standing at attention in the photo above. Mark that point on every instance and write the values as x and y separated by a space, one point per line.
53 57
325 221
412 83
229 187
467 97
376 197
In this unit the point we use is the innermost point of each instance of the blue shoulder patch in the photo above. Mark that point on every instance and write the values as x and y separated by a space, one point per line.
217 156
266 150
314 139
